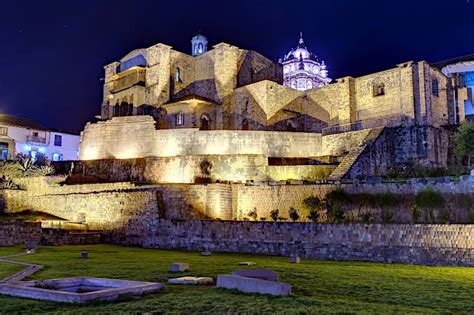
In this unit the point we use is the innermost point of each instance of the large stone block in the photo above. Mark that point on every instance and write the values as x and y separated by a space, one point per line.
263 274
252 285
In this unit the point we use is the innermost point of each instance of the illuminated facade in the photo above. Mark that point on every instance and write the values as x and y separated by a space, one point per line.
302 69
238 110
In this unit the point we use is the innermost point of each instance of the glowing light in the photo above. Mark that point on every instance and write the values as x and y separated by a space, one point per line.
27 147
42 150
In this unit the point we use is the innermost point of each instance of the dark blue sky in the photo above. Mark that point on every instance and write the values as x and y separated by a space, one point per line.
52 52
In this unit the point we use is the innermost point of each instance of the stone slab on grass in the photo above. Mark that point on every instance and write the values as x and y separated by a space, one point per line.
263 274
179 267
206 253
252 285
295 259
191 280
246 263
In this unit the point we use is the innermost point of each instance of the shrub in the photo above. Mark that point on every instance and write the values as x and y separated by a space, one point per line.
313 203
293 214
470 218
429 199
339 196
253 214
313 215
416 214
7 183
444 215
205 166
274 214
386 199
387 215
367 217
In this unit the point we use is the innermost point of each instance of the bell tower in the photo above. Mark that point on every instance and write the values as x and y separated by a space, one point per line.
198 45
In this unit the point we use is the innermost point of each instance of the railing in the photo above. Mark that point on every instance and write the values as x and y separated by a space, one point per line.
35 139
389 121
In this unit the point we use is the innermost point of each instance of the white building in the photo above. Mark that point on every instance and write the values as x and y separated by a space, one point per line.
29 137
302 69
461 68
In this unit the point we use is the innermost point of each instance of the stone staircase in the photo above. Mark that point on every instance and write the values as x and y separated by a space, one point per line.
348 161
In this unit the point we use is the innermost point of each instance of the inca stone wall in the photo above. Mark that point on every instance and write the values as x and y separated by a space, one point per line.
14 233
113 205
19 233
394 243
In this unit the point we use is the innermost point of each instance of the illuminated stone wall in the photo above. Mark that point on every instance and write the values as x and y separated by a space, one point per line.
136 136
390 243
115 205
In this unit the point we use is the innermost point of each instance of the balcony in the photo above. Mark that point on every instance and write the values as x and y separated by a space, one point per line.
35 140
128 78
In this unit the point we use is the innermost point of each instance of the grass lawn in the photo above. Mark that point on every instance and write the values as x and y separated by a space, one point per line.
318 286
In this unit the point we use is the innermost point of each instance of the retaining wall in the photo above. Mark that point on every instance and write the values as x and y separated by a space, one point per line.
400 243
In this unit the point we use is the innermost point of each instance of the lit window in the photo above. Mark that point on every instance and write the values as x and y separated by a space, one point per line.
3 131
435 87
180 119
379 89
58 140
178 75
57 157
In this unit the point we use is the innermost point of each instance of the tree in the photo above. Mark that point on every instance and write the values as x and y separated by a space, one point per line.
465 142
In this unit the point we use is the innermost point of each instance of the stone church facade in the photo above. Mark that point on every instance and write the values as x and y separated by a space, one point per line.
232 102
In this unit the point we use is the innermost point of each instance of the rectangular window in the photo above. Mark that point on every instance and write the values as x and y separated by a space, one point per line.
58 140
35 134
435 87
3 131
180 119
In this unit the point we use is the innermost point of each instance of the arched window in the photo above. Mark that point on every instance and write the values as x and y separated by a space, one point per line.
205 123
379 89
178 75
180 119
247 106
245 124
200 48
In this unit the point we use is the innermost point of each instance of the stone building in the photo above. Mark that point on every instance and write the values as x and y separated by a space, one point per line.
231 106
302 69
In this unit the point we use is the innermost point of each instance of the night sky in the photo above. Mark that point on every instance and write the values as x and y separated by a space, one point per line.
52 53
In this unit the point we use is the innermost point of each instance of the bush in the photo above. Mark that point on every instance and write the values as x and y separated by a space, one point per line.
444 215
386 199
7 183
429 199
313 203
387 215
367 217
416 214
274 214
205 166
313 215
253 214
293 214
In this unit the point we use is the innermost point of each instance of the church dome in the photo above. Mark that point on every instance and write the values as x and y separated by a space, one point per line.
301 52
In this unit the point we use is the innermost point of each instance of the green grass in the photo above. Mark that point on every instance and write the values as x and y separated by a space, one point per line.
319 286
